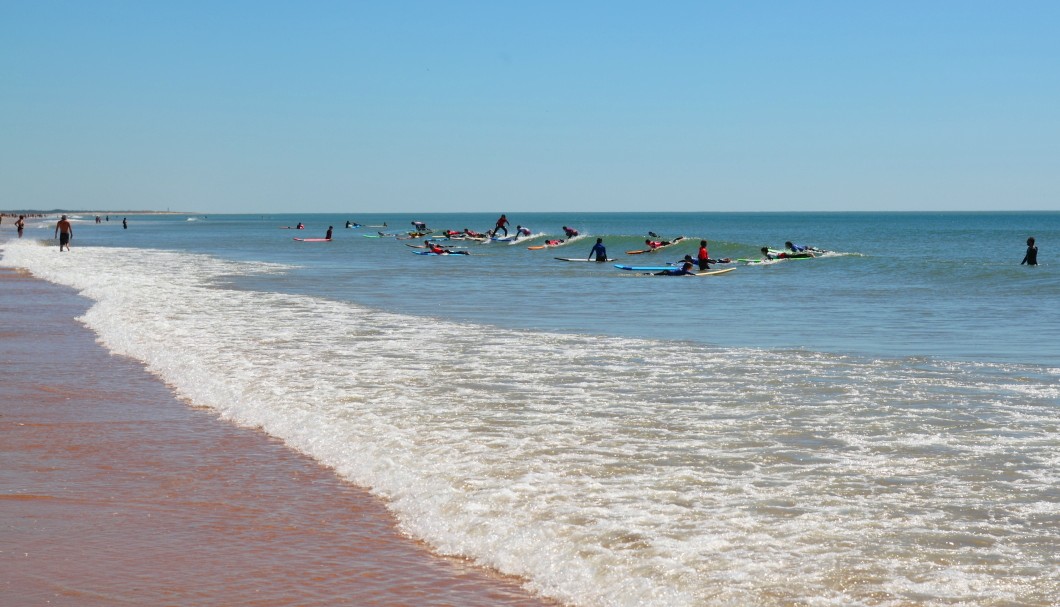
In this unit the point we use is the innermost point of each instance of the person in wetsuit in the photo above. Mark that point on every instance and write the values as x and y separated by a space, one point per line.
703 256
684 270
598 250
502 224
1031 258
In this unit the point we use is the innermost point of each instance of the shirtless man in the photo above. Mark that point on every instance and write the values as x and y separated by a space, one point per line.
64 231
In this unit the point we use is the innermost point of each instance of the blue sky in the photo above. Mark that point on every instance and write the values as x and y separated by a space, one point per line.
529 106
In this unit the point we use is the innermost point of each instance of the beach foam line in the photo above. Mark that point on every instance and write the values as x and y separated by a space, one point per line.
115 492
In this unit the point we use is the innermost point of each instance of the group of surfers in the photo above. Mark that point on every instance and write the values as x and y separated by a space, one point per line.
598 251
703 259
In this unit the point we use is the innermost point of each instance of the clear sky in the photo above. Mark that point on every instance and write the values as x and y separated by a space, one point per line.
449 105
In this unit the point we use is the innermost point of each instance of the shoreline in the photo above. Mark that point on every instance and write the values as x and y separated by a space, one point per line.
116 492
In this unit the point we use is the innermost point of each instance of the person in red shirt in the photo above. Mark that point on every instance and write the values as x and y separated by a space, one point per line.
704 256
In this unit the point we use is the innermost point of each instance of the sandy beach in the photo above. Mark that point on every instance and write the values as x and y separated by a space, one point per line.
113 492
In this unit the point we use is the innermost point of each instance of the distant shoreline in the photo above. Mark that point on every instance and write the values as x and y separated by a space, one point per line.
40 213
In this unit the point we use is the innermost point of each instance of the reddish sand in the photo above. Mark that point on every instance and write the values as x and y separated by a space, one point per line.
113 492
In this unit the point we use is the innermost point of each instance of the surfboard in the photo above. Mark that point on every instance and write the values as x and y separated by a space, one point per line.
580 259
439 254
677 240
707 273
645 268
313 239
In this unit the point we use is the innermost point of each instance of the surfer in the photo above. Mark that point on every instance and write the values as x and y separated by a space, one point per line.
300 226
64 231
1031 258
703 256
125 223
437 249
521 231
570 232
783 254
684 270
502 224
328 235
598 250
20 224
799 248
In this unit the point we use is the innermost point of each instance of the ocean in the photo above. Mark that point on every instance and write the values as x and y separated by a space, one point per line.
874 426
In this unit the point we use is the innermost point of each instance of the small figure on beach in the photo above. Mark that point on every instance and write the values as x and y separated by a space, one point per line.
1031 258
20 225
328 235
64 231
598 250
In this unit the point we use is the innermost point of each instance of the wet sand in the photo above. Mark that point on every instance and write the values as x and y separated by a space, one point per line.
113 492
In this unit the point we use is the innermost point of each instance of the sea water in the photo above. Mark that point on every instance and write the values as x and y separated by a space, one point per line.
875 426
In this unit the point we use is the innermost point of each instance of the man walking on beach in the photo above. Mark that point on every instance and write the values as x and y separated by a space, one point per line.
65 233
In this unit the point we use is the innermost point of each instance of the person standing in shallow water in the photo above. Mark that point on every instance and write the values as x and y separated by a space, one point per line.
703 256
64 232
598 250
1031 258
124 223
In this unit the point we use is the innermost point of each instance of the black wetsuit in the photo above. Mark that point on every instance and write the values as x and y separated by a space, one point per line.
1031 258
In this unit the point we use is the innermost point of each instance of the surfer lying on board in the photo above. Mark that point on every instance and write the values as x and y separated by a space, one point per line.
655 244
552 243
768 254
440 250
473 234
801 248
685 270
688 259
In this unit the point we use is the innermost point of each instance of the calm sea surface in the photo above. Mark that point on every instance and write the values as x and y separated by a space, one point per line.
876 426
